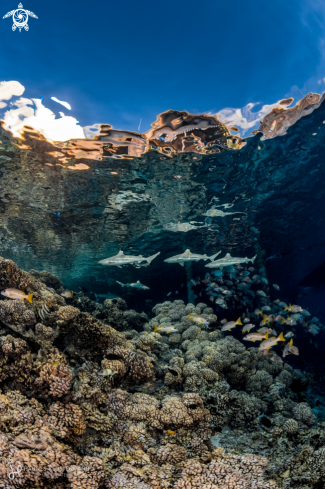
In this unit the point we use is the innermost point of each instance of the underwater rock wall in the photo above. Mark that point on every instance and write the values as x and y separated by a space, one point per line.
87 405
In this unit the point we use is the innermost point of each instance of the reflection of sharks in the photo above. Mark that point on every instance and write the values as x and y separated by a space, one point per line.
228 260
121 259
187 256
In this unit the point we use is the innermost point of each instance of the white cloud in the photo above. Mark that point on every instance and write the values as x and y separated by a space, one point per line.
65 104
245 119
321 81
41 119
8 90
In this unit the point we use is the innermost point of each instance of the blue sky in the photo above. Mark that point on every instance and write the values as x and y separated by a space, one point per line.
117 62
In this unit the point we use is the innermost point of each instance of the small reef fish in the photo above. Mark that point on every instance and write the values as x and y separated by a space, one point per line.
187 256
305 312
261 293
198 319
264 330
247 328
313 329
165 328
229 260
107 372
256 337
289 335
17 294
276 288
135 285
171 432
293 308
297 316
121 259
266 308
231 325
265 281
275 358
291 321
43 311
294 350
268 343
279 319
258 312
68 294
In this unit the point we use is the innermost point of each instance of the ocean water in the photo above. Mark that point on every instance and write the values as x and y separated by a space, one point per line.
192 182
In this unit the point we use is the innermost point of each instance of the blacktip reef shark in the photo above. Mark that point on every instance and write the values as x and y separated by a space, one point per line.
135 285
187 256
121 259
229 260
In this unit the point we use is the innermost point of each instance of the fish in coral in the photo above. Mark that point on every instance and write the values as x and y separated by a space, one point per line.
107 372
261 293
198 319
17 294
165 328
275 358
229 260
122 259
231 325
68 294
187 256
293 308
276 286
43 311
171 432
135 285
247 328
256 337
269 342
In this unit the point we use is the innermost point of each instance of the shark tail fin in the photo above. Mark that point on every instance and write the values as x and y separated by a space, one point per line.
214 256
150 258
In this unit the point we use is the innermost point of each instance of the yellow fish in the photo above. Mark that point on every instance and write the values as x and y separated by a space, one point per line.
256 337
231 324
17 294
268 343
67 294
171 432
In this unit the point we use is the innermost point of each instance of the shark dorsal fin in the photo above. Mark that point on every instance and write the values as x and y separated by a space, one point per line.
120 253
228 255
187 252
138 281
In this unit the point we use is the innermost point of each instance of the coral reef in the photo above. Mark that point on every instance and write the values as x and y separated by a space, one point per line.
96 396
